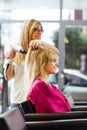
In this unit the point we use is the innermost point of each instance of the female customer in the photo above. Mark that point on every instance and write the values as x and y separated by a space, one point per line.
45 97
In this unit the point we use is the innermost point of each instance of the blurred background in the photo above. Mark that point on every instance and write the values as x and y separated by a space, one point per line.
65 26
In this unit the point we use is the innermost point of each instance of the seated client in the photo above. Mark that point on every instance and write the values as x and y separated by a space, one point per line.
39 65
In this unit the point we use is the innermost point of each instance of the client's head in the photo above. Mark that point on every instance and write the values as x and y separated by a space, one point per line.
41 62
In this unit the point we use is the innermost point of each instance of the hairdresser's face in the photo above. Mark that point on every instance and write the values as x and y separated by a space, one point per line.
37 33
51 67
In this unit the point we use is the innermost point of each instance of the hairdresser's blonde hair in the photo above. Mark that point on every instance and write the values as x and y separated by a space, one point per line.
36 61
25 38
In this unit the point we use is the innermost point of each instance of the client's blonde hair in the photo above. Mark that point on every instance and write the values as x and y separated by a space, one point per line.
36 61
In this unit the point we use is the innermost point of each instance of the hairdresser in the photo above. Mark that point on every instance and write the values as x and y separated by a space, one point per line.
14 68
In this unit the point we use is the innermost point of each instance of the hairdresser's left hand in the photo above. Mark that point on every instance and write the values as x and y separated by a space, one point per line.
34 44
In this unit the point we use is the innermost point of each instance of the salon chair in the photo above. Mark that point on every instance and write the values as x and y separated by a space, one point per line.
55 116
28 107
68 124
12 120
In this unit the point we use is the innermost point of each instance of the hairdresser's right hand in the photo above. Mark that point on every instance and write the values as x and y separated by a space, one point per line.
34 44
10 54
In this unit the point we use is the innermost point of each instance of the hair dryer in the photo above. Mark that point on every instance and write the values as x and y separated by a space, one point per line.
17 48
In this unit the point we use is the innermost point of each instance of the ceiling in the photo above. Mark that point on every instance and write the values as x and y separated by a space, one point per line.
7 5
28 4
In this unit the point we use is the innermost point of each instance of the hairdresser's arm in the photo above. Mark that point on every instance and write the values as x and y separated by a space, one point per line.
35 43
8 66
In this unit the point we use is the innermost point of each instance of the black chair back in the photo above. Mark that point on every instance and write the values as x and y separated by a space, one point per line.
69 124
55 116
27 107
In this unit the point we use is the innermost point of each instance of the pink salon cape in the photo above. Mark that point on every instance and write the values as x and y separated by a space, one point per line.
47 98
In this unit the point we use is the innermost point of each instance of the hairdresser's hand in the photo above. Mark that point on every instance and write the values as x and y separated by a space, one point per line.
34 44
10 54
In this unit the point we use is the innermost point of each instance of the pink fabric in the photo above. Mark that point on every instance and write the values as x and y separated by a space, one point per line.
1 87
47 98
